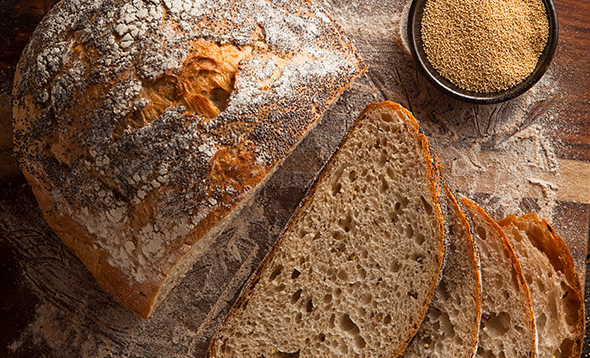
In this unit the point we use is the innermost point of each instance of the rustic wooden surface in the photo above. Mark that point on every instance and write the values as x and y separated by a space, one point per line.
530 154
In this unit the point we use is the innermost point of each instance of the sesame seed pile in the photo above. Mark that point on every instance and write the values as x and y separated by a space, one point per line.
484 45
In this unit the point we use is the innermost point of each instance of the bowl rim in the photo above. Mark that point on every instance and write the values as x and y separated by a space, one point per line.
415 45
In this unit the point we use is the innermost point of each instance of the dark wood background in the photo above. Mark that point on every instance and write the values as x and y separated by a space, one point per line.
50 305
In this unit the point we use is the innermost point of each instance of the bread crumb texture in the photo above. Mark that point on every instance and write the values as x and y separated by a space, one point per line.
507 326
484 45
451 325
141 124
353 274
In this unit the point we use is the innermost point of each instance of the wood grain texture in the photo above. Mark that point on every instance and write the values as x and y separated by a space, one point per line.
62 312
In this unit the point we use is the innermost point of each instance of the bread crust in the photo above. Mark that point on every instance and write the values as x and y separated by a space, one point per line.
143 127
556 250
435 189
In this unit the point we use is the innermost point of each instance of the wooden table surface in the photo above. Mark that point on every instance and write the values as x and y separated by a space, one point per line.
529 154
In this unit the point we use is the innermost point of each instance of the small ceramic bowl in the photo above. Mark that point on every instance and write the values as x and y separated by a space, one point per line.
417 50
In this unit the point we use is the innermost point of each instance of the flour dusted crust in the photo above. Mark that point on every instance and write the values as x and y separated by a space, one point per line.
556 291
354 271
140 125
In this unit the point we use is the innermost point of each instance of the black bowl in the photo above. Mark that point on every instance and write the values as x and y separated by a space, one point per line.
417 50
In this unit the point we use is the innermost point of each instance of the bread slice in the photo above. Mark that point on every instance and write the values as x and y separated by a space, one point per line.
507 322
451 325
355 270
556 291
142 127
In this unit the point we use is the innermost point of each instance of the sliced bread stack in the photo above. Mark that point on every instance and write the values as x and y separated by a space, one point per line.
556 292
355 270
358 269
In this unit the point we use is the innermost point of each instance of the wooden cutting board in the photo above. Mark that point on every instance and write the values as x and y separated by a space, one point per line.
529 154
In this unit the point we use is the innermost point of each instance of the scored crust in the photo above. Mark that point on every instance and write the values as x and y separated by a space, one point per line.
279 314
556 291
141 125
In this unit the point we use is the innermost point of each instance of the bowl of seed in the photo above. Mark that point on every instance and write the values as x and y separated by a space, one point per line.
483 51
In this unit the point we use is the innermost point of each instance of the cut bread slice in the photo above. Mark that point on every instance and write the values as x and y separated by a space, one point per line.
556 291
507 323
358 264
451 325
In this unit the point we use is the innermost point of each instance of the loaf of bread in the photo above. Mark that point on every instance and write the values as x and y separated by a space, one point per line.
141 125
357 266
451 325
507 322
556 291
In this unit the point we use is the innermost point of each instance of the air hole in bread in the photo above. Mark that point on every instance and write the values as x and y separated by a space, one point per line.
362 312
327 298
361 273
336 189
298 318
366 298
309 306
566 349
352 176
280 354
347 223
420 238
360 342
332 320
337 235
386 117
296 295
481 232
295 274
570 305
497 325
426 205
348 326
409 231
343 275
277 271
387 319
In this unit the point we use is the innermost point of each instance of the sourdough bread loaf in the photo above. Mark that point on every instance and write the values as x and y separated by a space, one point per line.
507 322
556 291
140 125
357 266
451 325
